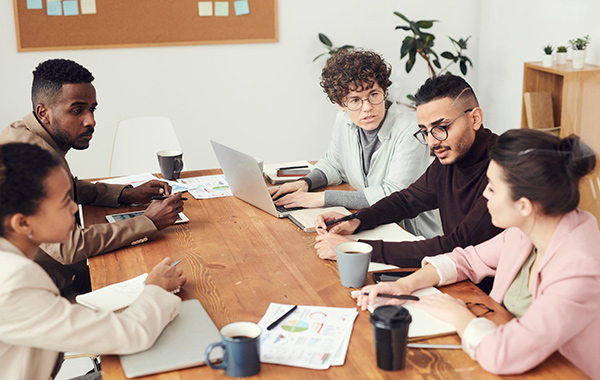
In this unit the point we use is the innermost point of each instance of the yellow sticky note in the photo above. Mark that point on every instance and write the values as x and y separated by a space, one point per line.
221 8
205 8
88 7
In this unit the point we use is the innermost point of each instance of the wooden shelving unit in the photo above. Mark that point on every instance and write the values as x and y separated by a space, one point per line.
576 107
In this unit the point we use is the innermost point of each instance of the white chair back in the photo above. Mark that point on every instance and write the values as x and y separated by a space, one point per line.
137 141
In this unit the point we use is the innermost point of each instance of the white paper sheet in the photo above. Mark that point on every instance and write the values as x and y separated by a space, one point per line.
310 337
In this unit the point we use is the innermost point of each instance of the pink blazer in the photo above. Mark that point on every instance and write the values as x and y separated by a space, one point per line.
565 312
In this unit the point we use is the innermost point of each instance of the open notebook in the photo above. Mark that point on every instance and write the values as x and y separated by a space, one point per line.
423 325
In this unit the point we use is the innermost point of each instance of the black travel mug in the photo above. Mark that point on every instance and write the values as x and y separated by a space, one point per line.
390 329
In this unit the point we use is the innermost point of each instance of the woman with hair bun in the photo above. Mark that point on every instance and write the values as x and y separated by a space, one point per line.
36 323
546 263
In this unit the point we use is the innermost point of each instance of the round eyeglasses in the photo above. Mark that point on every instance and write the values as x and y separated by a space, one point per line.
355 103
439 132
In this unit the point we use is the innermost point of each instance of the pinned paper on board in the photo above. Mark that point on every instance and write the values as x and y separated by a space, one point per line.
54 8
241 7
70 8
205 8
88 7
221 8
34 4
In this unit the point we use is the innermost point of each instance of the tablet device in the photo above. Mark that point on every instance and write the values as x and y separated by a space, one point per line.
132 214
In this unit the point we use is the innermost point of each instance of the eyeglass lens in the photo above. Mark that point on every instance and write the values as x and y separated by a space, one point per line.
356 103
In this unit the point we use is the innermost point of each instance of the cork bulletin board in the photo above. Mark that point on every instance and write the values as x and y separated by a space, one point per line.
96 24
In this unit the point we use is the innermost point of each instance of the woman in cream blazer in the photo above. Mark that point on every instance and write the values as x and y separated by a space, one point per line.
546 263
36 323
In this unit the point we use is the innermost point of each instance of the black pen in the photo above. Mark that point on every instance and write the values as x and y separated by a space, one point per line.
284 316
294 167
163 197
345 218
400 297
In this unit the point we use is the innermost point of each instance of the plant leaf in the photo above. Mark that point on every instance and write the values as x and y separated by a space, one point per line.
401 16
425 24
437 64
324 40
318 56
403 27
409 64
463 67
407 45
345 47
411 98
448 55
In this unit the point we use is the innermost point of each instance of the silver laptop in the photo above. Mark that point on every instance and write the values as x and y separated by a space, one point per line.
245 179
182 344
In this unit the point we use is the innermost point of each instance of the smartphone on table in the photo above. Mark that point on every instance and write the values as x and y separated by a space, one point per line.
390 276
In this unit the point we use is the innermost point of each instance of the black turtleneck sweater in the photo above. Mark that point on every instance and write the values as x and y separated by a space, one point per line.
456 189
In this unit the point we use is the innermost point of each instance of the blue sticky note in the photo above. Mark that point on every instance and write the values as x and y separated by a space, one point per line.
34 4
221 8
54 8
70 8
241 7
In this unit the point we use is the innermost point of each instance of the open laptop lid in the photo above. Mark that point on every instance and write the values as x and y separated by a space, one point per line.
245 178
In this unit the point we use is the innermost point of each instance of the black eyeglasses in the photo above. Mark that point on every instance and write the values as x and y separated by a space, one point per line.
479 309
439 132
356 103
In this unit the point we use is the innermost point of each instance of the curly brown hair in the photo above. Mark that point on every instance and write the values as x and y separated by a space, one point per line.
348 70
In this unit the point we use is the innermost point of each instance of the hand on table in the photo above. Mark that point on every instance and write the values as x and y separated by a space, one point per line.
302 199
343 228
326 242
165 212
396 288
144 192
448 309
288 187
167 277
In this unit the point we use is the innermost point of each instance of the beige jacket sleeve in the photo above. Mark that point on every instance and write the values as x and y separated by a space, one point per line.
36 322
98 194
101 238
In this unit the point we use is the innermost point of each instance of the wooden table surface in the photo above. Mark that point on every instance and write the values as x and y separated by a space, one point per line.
238 259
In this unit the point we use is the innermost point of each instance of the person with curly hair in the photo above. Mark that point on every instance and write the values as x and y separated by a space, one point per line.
64 103
371 148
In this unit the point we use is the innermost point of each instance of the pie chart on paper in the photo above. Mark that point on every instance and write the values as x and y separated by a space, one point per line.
295 326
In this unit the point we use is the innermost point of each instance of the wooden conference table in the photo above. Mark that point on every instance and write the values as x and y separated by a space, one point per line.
238 259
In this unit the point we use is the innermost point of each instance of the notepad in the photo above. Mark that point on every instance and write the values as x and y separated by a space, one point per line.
306 218
114 297
270 171
423 325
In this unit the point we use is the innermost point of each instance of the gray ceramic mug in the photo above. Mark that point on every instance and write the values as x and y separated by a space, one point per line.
241 349
353 260
171 163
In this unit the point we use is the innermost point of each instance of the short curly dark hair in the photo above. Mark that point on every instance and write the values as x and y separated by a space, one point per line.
23 170
349 70
49 77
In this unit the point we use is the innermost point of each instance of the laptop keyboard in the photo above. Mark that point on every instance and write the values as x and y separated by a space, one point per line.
281 209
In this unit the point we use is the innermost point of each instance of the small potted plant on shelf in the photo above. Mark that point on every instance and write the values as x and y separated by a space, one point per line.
561 55
548 59
578 45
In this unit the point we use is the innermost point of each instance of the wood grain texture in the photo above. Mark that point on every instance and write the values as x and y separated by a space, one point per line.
238 259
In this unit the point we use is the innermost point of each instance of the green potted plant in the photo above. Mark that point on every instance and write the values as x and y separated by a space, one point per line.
578 45
548 60
561 55
327 44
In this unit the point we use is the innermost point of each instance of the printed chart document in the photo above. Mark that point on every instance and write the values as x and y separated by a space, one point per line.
423 325
114 297
209 186
314 337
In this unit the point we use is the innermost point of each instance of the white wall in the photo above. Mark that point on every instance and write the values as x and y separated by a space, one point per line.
513 32
265 99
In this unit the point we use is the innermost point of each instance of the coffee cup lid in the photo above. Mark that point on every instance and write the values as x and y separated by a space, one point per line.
390 317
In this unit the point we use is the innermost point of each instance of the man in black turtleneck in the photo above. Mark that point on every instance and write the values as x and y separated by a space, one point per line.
451 123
